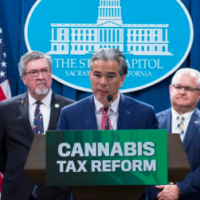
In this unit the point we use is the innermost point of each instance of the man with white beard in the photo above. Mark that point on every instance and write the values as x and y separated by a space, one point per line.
22 117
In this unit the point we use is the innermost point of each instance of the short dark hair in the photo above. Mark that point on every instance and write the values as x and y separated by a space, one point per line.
110 54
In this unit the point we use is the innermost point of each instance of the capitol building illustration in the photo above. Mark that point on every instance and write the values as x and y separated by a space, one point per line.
109 32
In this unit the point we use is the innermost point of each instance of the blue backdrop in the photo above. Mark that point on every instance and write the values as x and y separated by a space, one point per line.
13 14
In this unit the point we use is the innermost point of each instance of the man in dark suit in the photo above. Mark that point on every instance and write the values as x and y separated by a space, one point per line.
18 127
107 73
184 96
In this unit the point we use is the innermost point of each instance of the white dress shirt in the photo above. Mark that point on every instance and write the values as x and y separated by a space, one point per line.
187 117
113 112
45 109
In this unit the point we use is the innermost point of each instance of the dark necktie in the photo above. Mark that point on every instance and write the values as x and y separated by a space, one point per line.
38 127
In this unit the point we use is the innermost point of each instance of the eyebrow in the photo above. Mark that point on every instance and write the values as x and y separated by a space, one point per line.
106 73
39 69
111 73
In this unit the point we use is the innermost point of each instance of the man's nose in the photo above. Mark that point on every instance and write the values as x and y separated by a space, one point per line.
40 75
103 81
182 91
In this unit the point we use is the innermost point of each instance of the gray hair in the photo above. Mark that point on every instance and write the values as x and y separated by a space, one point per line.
110 54
32 55
187 71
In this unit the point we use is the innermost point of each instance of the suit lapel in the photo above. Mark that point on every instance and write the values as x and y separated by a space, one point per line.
125 115
23 108
55 112
88 114
167 121
192 128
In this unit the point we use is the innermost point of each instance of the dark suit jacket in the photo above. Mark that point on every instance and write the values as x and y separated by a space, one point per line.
132 115
190 187
16 137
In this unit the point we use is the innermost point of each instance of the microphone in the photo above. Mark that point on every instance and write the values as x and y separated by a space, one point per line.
110 100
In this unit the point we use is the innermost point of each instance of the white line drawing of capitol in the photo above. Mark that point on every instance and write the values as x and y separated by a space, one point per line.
109 32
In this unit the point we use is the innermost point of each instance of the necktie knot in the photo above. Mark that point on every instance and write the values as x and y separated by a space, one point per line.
38 103
181 118
104 110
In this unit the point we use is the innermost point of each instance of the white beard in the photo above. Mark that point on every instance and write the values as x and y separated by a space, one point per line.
41 90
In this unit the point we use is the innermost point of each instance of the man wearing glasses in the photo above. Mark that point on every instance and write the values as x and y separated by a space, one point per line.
183 118
22 117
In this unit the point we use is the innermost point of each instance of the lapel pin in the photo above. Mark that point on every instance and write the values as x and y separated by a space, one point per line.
128 112
196 122
22 102
57 105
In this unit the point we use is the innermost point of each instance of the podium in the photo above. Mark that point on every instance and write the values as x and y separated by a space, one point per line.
178 167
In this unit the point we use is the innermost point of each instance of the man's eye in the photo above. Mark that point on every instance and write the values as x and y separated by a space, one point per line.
178 87
97 75
188 89
44 70
33 72
111 76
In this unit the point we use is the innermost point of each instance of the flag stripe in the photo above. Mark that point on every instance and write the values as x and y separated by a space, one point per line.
2 95
5 88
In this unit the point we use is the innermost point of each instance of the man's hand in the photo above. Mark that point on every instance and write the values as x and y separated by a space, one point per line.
170 192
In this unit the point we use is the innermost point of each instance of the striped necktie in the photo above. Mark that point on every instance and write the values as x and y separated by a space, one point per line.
180 126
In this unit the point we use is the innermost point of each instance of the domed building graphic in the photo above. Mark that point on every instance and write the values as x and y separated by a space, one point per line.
110 32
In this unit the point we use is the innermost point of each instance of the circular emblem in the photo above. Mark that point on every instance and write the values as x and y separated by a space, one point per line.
155 37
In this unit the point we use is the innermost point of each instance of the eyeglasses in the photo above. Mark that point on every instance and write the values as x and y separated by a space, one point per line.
186 88
35 73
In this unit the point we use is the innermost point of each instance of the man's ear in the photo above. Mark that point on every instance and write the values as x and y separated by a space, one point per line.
23 79
90 73
122 80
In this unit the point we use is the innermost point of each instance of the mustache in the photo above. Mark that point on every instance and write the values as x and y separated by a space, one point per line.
182 97
41 82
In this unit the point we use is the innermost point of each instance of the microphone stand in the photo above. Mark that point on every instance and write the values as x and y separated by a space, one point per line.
110 99
107 124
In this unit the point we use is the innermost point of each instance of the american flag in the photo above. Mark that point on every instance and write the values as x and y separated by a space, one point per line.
4 82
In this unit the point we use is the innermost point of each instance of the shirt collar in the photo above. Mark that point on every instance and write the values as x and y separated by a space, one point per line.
186 115
113 108
46 101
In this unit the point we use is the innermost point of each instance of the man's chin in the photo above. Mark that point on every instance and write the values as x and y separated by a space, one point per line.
41 91
102 99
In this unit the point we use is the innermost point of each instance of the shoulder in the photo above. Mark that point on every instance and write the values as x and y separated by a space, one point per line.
79 105
129 101
164 114
197 112
65 101
14 100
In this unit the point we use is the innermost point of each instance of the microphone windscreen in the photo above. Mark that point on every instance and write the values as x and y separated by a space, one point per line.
106 109
110 98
